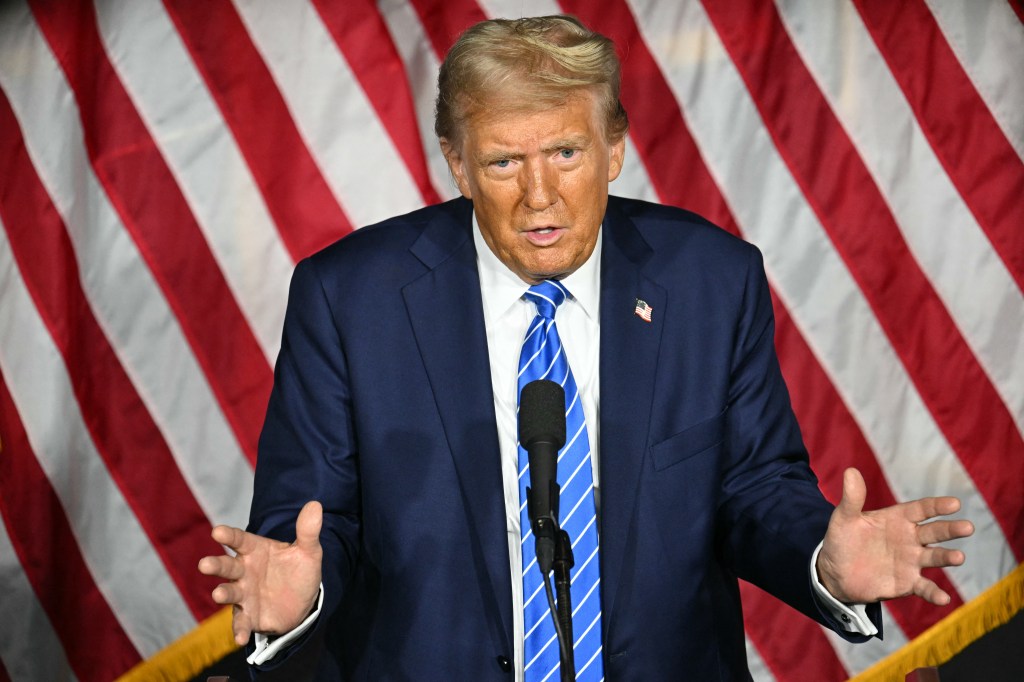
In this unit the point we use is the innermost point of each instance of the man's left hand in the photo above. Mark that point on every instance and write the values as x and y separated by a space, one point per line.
871 556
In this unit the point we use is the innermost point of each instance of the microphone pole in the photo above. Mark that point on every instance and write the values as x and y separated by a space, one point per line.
563 562
542 434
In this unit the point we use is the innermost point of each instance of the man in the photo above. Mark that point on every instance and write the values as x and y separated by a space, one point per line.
395 401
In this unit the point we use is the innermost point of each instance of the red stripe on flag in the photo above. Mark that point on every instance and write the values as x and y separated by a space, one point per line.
793 646
96 646
143 191
363 38
118 421
843 195
835 443
304 209
973 150
1018 8
445 20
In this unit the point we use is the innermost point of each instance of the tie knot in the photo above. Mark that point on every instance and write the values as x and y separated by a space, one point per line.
547 295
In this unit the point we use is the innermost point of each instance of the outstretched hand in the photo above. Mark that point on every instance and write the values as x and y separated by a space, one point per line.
272 585
871 556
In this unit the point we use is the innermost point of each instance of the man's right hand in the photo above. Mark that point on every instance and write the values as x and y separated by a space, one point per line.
272 585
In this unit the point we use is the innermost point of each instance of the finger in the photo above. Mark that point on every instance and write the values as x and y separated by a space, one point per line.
222 566
943 531
930 507
241 626
940 557
931 592
229 536
238 540
854 493
307 526
228 593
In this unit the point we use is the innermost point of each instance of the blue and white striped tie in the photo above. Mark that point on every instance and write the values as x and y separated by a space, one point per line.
542 357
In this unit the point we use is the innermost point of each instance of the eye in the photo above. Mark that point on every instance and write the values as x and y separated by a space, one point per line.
567 153
502 163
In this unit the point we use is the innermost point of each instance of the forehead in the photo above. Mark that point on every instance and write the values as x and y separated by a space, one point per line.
508 123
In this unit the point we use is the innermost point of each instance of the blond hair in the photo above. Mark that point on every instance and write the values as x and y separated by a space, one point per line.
527 64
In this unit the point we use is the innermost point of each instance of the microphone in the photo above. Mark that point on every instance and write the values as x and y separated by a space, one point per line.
542 434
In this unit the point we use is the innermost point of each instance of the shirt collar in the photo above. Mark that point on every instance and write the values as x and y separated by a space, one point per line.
501 287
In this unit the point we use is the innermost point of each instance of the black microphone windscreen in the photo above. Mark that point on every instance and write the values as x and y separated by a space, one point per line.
542 413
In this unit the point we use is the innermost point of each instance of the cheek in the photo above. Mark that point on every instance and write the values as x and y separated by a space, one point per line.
500 202
498 212
585 186
586 200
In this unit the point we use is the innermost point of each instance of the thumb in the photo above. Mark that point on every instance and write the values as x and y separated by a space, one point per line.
307 526
854 493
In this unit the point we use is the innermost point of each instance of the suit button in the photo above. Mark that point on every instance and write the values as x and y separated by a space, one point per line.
505 664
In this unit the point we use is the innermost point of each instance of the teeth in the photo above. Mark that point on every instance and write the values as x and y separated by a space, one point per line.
545 230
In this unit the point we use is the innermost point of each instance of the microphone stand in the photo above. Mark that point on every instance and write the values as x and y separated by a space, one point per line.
554 550
563 562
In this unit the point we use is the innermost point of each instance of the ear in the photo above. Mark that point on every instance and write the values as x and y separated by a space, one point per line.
456 167
617 152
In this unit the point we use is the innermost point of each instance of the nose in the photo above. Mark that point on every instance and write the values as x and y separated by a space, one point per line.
540 189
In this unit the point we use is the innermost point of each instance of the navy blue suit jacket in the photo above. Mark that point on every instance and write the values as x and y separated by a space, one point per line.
382 409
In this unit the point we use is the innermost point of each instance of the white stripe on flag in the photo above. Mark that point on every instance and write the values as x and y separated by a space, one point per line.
29 647
968 275
421 67
117 551
128 304
755 664
187 126
988 37
354 152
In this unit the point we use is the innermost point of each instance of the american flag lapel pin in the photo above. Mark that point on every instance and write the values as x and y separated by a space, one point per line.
642 310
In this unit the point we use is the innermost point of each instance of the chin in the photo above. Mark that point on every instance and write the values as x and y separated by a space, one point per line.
547 274
539 269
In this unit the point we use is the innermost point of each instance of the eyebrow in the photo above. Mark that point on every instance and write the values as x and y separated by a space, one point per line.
570 142
487 158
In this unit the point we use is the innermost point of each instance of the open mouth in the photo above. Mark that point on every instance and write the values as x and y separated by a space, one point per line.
543 236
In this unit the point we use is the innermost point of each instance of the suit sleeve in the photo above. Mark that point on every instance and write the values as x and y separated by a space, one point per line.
307 449
772 514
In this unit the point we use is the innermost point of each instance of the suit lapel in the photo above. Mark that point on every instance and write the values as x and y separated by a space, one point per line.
446 313
628 364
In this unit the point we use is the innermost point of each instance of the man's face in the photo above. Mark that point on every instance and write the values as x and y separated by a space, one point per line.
539 184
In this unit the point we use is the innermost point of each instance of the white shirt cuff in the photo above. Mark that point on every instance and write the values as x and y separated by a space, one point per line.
854 617
269 646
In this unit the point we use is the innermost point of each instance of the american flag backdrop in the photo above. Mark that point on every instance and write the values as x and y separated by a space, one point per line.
163 165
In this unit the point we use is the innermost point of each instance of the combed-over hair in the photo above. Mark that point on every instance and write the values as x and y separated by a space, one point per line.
524 65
